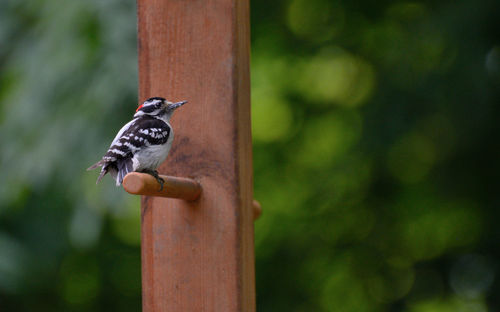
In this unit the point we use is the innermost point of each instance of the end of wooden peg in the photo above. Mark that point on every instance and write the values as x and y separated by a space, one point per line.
174 187
257 209
134 183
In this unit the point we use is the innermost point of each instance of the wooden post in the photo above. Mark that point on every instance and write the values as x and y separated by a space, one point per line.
198 255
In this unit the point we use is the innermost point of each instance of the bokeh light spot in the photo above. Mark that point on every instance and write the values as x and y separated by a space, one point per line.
329 137
315 20
448 305
434 228
343 291
492 60
12 264
271 117
336 77
472 275
392 285
85 227
127 225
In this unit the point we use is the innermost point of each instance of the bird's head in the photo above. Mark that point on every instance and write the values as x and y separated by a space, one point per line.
158 107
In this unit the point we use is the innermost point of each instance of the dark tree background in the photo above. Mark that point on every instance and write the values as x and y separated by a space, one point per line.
376 148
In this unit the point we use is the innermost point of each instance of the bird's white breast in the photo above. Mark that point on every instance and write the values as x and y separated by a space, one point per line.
152 156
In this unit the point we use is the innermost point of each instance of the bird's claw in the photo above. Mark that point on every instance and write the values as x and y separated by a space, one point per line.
161 181
154 173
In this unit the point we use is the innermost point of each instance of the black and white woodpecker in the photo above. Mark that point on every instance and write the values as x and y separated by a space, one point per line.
142 144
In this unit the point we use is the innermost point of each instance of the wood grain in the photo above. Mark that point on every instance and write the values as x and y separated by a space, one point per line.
199 256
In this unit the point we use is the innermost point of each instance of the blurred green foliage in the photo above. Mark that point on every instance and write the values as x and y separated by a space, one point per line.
375 129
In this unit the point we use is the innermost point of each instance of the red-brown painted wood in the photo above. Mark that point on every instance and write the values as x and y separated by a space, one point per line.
198 256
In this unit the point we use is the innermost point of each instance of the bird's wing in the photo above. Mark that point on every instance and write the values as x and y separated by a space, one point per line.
122 130
103 161
142 132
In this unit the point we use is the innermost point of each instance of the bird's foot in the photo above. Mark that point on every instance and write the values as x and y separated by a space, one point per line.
154 173
161 181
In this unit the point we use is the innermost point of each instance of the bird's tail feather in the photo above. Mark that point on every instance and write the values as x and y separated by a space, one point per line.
104 170
124 167
100 163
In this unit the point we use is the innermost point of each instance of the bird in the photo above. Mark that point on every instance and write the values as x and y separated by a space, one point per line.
142 144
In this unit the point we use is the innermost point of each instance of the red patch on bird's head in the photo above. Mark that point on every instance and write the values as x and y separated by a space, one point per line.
138 108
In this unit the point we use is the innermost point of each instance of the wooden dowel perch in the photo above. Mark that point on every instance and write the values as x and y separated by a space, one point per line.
184 188
174 187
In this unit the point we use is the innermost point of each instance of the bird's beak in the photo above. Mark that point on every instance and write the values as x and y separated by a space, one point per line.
178 104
